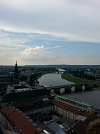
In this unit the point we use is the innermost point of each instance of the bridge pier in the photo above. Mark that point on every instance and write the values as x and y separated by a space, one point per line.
57 91
78 87
68 89
89 87
96 85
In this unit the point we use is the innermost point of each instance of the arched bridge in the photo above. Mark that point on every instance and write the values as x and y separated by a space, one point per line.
73 87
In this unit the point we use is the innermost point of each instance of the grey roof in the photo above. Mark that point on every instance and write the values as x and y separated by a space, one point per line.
53 126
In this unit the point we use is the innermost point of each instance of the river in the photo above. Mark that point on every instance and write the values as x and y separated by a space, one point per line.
91 97
52 79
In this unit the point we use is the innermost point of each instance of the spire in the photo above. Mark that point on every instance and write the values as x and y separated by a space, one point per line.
16 63
16 74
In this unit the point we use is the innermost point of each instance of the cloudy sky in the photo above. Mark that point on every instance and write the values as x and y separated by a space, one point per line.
37 32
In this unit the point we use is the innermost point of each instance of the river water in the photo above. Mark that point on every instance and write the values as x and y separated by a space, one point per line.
92 97
52 79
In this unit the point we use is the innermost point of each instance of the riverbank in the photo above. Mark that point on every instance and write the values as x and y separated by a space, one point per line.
73 79
96 88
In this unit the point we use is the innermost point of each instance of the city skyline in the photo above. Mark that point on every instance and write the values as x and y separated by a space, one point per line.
50 32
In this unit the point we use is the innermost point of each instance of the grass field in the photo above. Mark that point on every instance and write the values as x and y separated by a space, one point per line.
73 79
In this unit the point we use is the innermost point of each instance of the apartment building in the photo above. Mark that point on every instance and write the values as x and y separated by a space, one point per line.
71 110
14 120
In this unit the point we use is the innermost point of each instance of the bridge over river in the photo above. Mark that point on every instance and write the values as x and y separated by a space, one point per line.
73 87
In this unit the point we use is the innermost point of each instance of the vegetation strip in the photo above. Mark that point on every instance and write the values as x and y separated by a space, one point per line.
71 78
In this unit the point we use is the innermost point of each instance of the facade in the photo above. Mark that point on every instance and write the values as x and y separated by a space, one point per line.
36 106
5 79
18 95
69 111
8 78
73 109
14 120
81 126
39 109
32 101
82 116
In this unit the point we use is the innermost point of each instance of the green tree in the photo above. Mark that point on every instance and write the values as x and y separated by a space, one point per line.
23 78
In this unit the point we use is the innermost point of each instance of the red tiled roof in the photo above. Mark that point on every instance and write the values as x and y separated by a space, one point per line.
8 110
5 132
19 121
71 109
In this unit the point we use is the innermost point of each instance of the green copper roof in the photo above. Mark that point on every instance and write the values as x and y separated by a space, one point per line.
75 102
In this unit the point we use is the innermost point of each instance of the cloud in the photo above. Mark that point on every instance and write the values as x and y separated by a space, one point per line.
36 55
40 47
57 47
35 50
74 20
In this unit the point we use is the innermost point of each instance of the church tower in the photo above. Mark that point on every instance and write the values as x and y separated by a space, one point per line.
32 80
16 74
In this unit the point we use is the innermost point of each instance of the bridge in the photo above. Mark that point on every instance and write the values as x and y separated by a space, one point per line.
73 87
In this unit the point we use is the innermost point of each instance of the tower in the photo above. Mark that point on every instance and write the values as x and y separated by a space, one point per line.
16 74
32 80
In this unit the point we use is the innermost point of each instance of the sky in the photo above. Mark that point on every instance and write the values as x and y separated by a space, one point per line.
42 32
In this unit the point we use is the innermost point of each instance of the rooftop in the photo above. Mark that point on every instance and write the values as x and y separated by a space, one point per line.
80 127
75 102
71 109
20 121
18 92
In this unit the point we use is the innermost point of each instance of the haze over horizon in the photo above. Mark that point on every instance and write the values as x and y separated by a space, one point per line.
50 32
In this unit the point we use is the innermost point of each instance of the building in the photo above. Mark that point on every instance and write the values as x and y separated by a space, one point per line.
33 104
32 80
69 111
16 74
81 126
75 103
5 79
18 95
26 73
8 78
39 109
90 73
14 120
